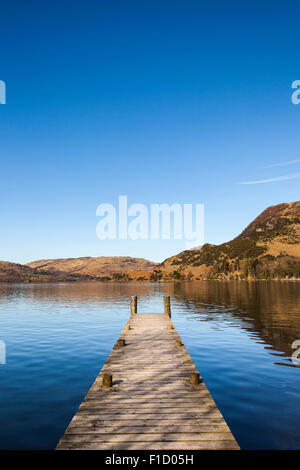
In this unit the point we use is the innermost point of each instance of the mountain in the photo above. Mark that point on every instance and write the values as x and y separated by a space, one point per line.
102 267
269 247
13 272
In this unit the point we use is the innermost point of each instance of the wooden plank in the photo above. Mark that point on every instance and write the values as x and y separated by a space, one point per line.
151 404
140 401
148 437
200 445
90 428
148 394
147 424
100 410
158 416
141 396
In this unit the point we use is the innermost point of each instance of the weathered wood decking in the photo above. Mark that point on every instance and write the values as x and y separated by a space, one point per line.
151 404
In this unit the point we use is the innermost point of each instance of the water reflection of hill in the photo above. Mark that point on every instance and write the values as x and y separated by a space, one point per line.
269 310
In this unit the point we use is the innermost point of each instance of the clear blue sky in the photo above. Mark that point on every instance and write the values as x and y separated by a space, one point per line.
161 101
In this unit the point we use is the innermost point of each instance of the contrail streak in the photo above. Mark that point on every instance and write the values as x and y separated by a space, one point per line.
291 162
271 180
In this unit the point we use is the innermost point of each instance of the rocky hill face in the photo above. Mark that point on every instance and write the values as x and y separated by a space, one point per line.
268 248
103 267
13 272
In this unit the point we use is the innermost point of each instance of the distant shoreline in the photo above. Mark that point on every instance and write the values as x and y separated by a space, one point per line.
166 281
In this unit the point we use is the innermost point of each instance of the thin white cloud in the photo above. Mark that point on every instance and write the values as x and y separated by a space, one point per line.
271 180
291 162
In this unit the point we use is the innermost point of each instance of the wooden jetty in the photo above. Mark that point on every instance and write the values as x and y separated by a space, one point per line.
148 396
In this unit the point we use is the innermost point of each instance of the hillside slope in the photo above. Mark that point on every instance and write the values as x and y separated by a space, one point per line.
115 267
269 247
13 272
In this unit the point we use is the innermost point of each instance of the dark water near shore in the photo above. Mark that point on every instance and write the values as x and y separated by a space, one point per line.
239 334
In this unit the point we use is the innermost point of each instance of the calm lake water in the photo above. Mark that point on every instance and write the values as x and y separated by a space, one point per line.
239 335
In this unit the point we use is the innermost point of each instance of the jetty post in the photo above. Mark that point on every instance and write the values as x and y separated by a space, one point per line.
167 305
133 305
